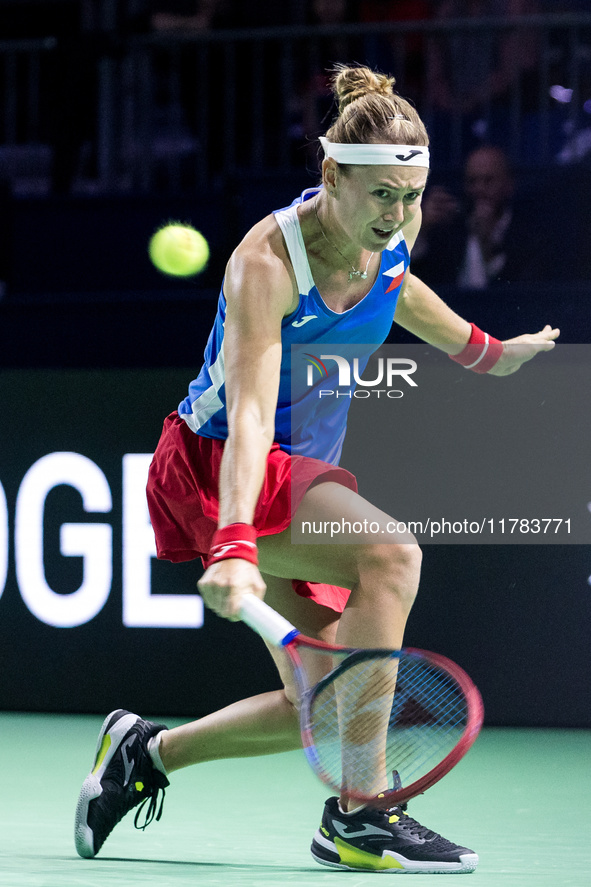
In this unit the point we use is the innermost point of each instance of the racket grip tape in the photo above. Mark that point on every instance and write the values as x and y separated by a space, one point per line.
269 624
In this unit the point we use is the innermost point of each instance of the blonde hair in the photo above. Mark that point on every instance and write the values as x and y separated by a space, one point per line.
369 111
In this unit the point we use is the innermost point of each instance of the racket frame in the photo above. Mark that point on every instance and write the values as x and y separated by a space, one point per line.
278 631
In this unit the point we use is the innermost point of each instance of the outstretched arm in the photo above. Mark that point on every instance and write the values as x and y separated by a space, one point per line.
425 315
422 312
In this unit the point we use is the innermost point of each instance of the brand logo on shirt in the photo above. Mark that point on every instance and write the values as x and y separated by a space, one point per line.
304 320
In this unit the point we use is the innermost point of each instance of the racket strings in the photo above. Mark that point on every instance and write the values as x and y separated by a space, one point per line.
385 714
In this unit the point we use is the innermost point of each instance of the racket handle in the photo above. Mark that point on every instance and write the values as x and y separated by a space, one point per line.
266 622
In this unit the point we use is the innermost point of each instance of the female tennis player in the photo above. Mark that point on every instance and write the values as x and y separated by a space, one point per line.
332 267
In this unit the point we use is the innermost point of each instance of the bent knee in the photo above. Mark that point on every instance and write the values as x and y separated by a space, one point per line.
397 557
395 567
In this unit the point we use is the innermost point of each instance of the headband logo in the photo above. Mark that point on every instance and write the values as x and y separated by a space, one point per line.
372 153
408 156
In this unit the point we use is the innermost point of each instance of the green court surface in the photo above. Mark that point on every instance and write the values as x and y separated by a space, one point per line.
521 799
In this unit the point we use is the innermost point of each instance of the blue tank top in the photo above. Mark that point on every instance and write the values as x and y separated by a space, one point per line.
305 424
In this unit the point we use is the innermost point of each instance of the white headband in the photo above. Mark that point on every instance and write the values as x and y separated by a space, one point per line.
382 155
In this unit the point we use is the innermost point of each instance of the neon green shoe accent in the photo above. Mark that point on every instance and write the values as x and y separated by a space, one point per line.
359 859
105 746
139 786
325 831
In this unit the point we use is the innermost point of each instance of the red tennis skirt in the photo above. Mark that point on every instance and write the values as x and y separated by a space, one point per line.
183 498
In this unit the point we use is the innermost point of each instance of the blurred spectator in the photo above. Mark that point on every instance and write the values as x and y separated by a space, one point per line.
471 73
472 68
488 235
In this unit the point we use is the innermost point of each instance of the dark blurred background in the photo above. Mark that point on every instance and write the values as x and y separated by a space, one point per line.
116 117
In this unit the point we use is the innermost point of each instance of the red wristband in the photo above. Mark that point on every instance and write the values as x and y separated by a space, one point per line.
235 540
481 353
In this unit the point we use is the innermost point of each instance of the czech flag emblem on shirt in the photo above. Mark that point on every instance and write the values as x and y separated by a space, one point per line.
397 275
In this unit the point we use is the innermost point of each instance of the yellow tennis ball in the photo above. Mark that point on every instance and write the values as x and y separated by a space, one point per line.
179 250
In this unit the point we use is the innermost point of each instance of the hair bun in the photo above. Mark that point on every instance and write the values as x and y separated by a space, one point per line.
349 83
370 111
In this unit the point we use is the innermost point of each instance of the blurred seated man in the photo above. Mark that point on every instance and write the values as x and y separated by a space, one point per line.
489 235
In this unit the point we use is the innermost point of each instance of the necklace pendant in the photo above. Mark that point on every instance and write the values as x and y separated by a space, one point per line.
353 274
364 275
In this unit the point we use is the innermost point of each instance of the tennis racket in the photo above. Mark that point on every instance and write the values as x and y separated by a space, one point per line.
379 725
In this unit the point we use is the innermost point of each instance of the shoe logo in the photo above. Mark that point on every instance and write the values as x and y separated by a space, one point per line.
409 156
304 319
128 762
363 831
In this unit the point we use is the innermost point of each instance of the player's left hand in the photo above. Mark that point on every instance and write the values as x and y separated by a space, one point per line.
521 349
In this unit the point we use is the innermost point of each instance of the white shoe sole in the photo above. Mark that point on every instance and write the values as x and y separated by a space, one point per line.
400 865
467 864
91 787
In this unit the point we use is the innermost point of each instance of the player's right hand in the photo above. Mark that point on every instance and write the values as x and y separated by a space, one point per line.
224 584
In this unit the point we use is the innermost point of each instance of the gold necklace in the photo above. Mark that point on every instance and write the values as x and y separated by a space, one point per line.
353 272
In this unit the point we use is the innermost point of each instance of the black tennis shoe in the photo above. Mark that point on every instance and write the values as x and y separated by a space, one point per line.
122 777
372 840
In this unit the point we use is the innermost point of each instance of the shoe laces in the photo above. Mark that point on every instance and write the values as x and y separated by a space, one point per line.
150 811
411 825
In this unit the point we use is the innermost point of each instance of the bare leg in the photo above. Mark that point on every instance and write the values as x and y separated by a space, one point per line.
382 570
260 725
383 579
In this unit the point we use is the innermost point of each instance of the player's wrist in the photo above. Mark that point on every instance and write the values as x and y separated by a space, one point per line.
481 353
237 540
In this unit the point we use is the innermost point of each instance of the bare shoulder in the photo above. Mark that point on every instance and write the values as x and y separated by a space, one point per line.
259 271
